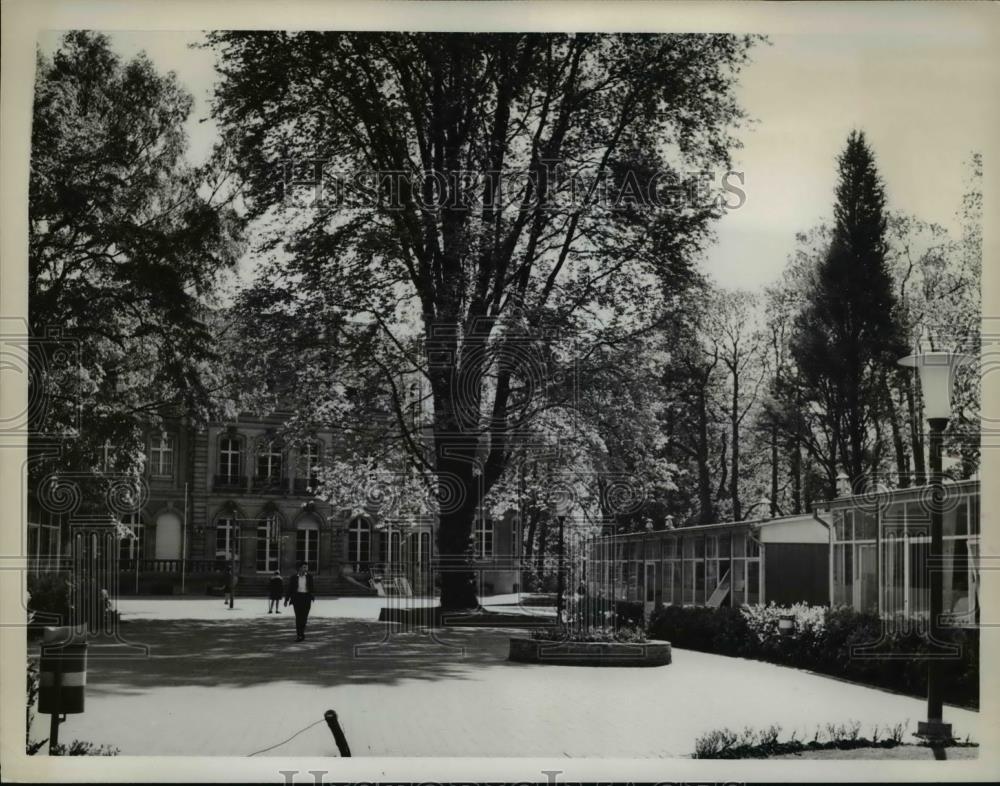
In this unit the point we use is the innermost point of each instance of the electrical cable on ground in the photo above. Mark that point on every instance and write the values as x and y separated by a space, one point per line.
278 744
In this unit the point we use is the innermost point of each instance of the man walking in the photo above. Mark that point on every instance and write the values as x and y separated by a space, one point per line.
299 592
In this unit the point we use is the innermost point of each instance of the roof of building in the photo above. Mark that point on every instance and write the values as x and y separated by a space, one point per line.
717 526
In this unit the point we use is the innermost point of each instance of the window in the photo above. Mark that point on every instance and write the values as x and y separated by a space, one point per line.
389 548
515 542
108 456
268 544
130 538
843 574
753 582
307 542
227 537
161 456
359 544
893 571
483 544
309 463
395 542
269 462
229 458
44 543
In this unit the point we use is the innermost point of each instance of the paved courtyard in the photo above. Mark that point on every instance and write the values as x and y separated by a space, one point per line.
221 682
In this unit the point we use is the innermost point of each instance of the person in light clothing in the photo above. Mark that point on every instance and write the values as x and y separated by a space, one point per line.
299 592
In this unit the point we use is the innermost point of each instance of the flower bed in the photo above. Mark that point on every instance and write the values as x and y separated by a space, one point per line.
589 647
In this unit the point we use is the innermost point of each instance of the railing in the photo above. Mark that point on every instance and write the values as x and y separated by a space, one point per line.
300 485
270 484
229 483
173 566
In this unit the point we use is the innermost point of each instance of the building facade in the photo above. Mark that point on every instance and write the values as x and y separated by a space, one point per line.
236 495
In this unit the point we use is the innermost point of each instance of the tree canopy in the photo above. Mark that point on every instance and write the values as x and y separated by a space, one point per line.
126 242
522 198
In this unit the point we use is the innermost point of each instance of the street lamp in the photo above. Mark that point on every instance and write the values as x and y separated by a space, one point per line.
937 375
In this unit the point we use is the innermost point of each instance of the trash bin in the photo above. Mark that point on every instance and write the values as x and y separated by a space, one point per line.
62 678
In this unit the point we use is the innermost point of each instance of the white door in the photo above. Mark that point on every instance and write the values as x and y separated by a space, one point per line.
168 536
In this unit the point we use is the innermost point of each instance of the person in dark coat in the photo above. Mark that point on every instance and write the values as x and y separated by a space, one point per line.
231 579
299 592
275 588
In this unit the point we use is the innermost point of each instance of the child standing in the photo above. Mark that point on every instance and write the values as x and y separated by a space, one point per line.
275 590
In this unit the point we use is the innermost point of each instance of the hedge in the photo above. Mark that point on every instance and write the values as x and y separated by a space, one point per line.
826 641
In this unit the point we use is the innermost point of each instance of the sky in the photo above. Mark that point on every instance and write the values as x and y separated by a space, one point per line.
921 95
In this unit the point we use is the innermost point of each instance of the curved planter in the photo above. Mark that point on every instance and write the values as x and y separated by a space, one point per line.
590 653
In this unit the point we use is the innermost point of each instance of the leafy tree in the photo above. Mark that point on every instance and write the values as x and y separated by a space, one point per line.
126 242
848 330
497 193
737 340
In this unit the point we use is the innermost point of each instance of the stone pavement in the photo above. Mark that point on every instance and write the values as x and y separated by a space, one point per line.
219 682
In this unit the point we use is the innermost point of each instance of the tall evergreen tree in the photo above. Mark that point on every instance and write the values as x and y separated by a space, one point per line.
847 332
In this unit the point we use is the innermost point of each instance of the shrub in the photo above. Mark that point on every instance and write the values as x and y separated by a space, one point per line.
840 641
49 601
750 744
723 631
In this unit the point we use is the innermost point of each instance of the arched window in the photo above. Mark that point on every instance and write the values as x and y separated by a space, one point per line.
268 543
227 538
359 535
307 542
130 540
389 548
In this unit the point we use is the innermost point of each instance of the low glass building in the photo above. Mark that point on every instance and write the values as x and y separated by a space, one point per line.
727 564
878 548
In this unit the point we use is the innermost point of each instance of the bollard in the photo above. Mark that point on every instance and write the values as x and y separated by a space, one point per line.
338 733
62 678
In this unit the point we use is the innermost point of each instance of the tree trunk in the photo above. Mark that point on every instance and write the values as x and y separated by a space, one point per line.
454 537
898 445
734 483
796 472
458 580
543 535
706 507
774 470
916 435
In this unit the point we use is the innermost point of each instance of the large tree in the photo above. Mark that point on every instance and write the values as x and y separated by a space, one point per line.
495 189
126 243
848 331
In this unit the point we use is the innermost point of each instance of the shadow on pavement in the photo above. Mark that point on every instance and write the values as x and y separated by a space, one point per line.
234 653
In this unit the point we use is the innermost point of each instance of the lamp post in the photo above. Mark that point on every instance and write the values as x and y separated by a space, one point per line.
937 373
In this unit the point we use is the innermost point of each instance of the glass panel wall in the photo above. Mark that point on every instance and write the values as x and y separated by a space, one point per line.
855 558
